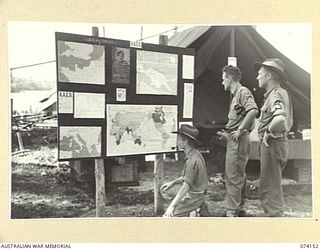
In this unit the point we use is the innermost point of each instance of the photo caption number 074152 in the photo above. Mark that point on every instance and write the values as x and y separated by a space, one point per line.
309 246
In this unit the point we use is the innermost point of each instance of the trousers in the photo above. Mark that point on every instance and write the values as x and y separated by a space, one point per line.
273 159
235 172
189 203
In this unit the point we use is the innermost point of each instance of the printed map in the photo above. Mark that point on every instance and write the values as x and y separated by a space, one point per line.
140 129
157 73
80 142
81 63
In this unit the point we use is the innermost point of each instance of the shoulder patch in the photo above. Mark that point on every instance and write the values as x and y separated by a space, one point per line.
278 105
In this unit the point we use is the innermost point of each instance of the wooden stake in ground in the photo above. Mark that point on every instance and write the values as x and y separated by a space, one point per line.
158 180
158 163
100 187
20 142
99 171
21 147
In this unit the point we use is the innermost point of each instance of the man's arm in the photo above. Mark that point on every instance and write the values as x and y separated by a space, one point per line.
178 180
248 103
245 125
248 119
182 192
278 123
171 183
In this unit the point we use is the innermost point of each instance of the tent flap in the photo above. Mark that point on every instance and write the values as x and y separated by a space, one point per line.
212 49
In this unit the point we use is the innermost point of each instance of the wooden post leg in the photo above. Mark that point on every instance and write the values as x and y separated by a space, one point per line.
20 142
158 180
100 188
99 171
176 156
76 165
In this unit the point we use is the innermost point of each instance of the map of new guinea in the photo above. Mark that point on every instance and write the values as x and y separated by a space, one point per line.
140 129
81 63
79 142
157 73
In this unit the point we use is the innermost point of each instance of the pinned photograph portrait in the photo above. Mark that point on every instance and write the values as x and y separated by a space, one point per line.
120 65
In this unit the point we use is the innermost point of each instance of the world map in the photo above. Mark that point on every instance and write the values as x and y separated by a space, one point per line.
79 142
140 129
81 63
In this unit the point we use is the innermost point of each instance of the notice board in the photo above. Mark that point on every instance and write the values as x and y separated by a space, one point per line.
118 98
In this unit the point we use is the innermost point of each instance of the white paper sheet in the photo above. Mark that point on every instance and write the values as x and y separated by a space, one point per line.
89 105
65 102
188 67
188 100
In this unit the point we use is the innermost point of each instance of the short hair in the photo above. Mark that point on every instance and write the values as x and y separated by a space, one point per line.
233 72
274 74
120 51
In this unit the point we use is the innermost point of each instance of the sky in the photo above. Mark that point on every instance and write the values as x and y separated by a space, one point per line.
34 42
293 40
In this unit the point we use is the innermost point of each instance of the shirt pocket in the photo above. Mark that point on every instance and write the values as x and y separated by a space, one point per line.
264 112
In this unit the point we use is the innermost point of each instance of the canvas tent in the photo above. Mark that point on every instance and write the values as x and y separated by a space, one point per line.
213 46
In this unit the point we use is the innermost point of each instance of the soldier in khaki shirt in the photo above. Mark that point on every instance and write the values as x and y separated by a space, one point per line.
242 112
187 193
275 121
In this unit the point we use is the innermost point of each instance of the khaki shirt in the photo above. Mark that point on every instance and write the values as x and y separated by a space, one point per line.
276 102
195 172
242 102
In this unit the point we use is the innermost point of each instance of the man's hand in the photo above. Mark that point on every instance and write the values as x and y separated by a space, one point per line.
235 135
169 212
166 186
222 134
266 136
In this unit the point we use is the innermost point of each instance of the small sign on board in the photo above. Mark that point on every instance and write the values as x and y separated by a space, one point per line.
136 44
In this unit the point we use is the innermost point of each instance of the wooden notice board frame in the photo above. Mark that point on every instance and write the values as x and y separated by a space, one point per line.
109 88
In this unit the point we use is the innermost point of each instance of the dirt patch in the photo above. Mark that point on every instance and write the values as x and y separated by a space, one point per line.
43 189
46 191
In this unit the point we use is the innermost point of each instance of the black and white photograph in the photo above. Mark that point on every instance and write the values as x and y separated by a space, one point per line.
208 121
121 94
121 65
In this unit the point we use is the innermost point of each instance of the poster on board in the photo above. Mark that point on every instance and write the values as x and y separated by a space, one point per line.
65 100
89 105
81 63
188 100
121 95
157 73
188 67
79 142
140 129
120 65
